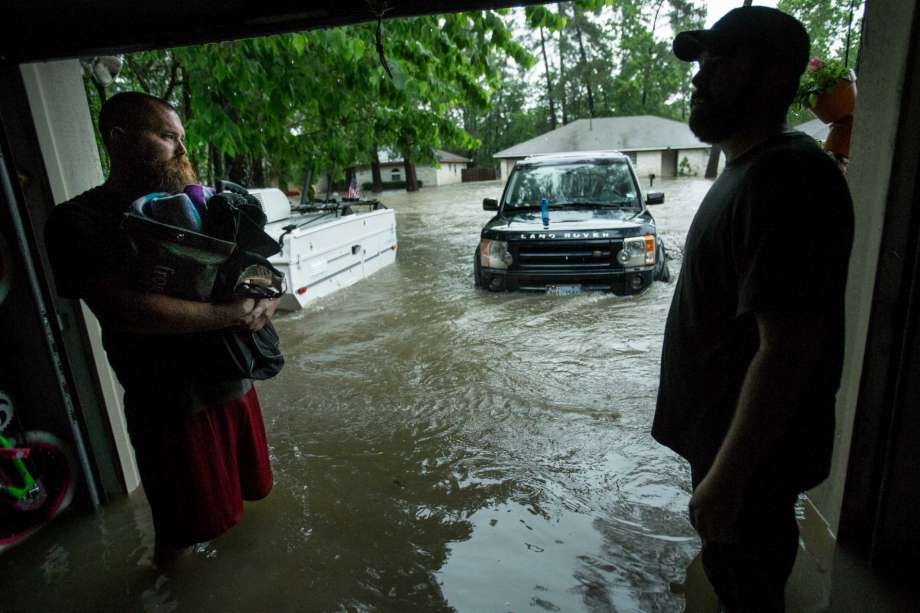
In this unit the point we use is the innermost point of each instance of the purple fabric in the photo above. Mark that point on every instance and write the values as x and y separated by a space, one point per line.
199 195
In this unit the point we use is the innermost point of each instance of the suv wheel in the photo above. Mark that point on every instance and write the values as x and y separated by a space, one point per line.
662 272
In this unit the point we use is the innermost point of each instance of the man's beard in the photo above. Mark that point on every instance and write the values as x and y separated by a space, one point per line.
170 176
714 119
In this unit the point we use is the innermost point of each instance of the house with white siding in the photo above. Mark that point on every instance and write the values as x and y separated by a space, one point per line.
446 172
658 146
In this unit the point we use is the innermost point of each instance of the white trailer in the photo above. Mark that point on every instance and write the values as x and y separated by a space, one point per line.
326 247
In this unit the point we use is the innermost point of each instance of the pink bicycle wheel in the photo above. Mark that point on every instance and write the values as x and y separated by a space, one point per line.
55 474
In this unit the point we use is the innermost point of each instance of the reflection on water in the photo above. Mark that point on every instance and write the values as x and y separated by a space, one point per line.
435 448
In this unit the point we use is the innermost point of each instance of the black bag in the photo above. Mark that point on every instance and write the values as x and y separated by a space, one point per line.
236 353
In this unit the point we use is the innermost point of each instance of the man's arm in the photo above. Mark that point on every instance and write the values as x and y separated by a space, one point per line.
779 374
151 313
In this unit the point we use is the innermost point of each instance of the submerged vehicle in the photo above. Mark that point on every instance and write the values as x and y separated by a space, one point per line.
326 245
571 222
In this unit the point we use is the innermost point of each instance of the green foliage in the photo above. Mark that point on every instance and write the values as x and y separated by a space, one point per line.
684 169
819 77
619 50
269 106
827 22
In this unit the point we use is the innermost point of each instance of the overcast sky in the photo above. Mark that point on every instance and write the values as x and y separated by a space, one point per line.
717 8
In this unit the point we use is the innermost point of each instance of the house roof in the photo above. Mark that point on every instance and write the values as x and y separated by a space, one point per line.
447 156
388 157
815 128
638 133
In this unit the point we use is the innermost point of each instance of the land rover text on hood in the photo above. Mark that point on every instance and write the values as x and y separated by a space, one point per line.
568 223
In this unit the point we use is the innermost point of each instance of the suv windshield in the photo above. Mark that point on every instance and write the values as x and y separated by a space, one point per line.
607 183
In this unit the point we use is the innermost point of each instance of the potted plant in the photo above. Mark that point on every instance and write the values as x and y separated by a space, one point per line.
828 89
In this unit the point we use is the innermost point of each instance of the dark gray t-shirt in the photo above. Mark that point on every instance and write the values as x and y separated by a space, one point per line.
772 235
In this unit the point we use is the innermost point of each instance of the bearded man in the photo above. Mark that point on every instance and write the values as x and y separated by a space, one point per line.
200 446
753 345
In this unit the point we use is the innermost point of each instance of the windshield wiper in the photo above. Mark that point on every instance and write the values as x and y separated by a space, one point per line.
620 204
530 207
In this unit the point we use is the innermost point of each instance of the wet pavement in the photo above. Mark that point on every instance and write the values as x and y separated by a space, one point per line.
435 447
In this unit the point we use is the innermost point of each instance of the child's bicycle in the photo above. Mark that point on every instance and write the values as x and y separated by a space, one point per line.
37 477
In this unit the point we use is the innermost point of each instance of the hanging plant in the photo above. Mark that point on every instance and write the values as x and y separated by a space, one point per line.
819 77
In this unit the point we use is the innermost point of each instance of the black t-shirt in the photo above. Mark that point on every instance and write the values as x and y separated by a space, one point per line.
772 235
85 243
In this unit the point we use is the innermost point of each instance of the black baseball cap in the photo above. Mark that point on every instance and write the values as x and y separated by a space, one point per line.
757 27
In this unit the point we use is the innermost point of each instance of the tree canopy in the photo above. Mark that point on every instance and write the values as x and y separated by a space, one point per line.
472 82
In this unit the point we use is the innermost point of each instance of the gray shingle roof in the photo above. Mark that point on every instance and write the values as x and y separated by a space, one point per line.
389 157
642 132
447 156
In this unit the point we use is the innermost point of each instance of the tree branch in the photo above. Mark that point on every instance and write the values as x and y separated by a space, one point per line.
145 85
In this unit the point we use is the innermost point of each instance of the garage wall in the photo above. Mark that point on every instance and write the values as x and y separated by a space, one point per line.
648 163
449 172
879 108
506 166
696 160
428 175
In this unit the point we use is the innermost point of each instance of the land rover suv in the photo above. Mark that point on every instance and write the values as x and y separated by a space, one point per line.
568 223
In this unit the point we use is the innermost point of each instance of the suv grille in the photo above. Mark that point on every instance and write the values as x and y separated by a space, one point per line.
566 256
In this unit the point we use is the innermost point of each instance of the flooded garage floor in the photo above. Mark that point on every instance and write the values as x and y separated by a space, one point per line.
435 447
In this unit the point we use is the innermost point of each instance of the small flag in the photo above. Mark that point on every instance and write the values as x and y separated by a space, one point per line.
352 191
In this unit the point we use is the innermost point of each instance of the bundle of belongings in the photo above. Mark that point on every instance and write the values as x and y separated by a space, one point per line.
210 245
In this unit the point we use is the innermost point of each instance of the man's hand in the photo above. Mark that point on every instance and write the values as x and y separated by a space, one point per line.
259 313
715 509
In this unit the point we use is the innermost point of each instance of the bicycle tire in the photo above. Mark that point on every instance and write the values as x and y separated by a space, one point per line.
56 473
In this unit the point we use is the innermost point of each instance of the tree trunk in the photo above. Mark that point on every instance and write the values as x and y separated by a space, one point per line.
712 167
648 60
329 177
220 165
562 96
307 194
411 181
549 83
238 169
349 174
258 173
584 65
210 178
377 180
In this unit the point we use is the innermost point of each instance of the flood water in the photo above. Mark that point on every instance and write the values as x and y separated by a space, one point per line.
435 448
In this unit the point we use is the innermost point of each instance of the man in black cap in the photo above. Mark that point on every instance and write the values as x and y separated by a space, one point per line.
753 346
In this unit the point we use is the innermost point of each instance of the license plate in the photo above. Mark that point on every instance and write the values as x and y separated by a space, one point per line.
563 290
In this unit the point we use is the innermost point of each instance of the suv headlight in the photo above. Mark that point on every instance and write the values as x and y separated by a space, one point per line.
638 251
494 254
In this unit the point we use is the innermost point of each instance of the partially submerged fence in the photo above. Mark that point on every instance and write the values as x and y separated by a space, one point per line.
477 174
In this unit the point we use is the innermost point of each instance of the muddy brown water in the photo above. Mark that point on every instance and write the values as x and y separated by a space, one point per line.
435 448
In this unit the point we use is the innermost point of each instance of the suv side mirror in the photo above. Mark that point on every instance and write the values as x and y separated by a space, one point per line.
489 204
654 198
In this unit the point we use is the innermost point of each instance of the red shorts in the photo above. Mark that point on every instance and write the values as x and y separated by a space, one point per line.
197 472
